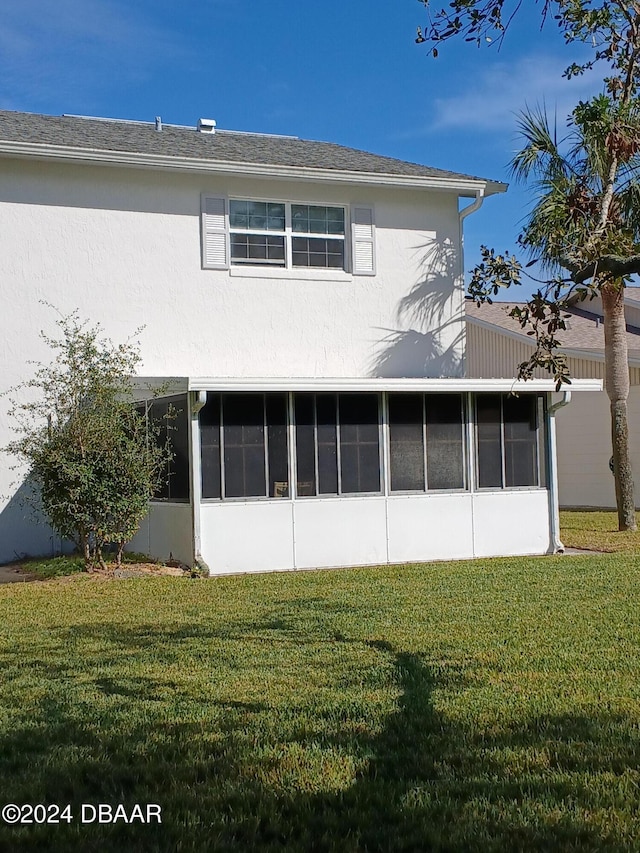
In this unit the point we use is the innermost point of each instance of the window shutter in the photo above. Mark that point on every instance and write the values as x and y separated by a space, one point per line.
362 241
215 233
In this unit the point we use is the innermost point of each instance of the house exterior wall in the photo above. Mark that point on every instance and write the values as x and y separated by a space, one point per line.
123 247
584 449
583 427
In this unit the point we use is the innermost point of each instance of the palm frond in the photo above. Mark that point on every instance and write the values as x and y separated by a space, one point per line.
541 153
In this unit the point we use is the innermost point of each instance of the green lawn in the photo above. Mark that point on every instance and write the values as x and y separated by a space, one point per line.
489 705
597 531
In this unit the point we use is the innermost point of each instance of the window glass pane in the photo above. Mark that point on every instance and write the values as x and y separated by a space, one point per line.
210 446
327 444
244 450
489 441
256 215
317 252
406 442
239 214
178 430
445 438
157 414
359 443
335 220
277 444
303 405
300 217
275 217
542 440
317 219
257 249
170 417
520 440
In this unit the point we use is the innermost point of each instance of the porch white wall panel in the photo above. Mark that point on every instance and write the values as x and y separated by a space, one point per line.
305 534
437 525
166 530
348 532
247 537
511 523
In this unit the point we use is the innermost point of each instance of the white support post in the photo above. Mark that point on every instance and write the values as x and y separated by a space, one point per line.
555 546
197 400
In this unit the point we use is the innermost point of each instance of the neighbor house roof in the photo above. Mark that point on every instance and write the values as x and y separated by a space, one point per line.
584 333
76 137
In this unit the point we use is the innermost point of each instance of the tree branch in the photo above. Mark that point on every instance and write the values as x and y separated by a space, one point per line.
616 265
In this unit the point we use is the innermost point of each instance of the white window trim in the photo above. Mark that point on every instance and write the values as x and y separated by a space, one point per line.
295 274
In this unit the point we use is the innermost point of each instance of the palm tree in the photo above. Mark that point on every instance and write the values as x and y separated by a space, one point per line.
586 222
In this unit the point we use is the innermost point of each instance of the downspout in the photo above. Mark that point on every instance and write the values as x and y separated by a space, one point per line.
197 399
471 208
462 215
555 546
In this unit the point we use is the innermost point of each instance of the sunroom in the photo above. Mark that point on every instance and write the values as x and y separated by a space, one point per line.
297 474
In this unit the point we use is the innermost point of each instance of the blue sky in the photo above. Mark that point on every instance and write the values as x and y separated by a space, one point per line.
345 71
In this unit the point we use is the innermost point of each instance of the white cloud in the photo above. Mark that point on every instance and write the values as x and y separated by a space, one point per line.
491 100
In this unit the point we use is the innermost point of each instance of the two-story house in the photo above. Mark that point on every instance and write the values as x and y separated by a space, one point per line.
303 304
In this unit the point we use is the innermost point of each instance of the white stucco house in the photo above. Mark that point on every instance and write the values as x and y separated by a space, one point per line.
303 303
496 345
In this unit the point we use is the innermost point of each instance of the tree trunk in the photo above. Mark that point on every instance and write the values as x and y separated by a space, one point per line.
617 385
86 550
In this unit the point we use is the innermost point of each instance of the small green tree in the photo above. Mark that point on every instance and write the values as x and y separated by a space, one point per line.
92 455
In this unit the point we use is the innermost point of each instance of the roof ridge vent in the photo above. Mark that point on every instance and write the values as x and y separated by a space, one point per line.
206 125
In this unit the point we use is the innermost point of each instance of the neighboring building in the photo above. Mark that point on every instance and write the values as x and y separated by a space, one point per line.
303 302
496 345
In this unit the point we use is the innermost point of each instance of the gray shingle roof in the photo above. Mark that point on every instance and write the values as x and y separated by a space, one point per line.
582 332
225 146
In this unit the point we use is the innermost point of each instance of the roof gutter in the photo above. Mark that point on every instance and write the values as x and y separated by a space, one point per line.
144 385
466 187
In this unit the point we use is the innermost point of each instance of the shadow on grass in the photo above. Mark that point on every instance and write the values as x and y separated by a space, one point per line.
300 775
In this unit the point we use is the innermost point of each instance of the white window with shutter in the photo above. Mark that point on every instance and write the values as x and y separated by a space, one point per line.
215 233
363 240
290 235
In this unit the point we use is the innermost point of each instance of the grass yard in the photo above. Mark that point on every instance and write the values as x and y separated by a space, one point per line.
598 530
479 706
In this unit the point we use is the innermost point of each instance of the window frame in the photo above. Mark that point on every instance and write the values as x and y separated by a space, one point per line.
289 235
539 406
180 405
223 497
464 418
338 443
469 440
